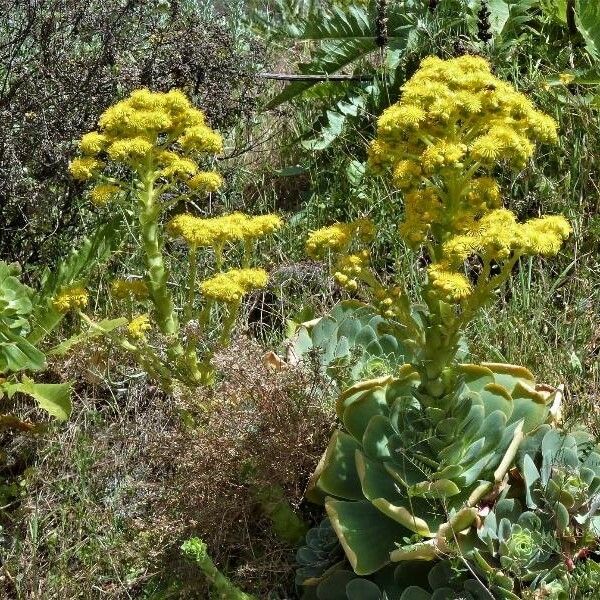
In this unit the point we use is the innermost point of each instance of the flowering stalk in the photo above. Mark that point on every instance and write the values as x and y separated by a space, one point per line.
455 124
157 273
159 139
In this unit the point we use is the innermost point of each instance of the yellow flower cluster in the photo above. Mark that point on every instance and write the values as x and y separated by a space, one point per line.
138 327
71 298
206 182
498 235
129 288
229 287
349 269
450 286
338 237
151 130
455 118
218 231
102 193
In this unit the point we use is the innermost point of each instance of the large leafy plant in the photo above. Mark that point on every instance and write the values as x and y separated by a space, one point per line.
438 459
146 156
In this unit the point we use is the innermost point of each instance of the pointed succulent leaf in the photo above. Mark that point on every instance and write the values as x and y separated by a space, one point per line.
496 397
530 406
442 488
509 375
476 377
376 481
407 515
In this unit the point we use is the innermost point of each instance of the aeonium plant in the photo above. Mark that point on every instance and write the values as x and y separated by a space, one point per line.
147 155
427 451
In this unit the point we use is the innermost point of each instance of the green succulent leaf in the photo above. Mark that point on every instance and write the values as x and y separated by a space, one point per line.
357 525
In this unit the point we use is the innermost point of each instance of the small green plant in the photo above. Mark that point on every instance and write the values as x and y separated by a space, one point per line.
146 155
432 453
195 549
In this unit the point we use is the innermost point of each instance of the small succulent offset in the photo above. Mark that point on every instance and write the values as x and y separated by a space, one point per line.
443 466
149 147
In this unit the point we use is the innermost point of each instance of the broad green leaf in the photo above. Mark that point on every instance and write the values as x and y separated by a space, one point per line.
17 354
587 17
338 476
366 535
54 398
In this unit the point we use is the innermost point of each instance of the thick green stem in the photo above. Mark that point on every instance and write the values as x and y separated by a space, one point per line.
191 284
157 273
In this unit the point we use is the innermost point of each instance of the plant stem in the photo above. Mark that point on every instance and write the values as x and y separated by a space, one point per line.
157 273
191 284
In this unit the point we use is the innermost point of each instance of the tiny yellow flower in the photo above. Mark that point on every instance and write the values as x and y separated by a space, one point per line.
138 327
84 168
103 193
71 298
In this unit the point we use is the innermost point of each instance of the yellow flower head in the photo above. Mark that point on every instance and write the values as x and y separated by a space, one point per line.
201 138
84 168
257 227
71 298
102 193
217 231
456 111
129 288
338 237
92 143
229 287
138 327
206 182
448 285
154 131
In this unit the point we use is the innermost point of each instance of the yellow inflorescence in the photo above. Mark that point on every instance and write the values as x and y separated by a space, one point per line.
349 269
72 298
206 182
449 285
152 131
230 286
138 327
85 168
102 193
217 231
455 117
129 288
338 237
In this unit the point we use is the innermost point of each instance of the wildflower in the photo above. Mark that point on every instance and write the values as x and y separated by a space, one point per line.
206 182
450 286
92 143
566 78
138 327
229 287
129 288
338 236
84 168
201 139
72 298
256 227
130 150
103 193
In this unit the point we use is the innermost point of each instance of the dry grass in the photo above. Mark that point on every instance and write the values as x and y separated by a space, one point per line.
114 493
